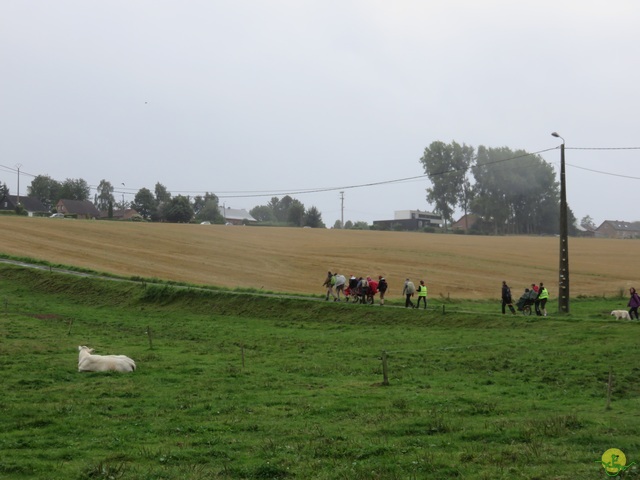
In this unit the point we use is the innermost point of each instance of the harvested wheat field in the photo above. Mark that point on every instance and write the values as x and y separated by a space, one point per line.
296 260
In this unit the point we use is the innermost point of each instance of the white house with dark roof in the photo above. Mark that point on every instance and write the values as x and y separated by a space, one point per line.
32 205
410 220
236 216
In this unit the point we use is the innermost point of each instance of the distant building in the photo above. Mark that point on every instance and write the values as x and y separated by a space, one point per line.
78 208
465 223
409 220
126 214
32 205
618 229
236 216
585 230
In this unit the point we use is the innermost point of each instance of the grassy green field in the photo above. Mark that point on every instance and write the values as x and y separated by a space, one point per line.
237 386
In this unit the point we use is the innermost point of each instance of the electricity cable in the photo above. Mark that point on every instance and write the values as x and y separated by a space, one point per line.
303 191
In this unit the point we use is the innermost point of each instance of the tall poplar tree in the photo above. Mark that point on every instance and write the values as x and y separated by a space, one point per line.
447 165
104 196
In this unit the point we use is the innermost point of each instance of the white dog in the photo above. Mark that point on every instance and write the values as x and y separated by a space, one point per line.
620 314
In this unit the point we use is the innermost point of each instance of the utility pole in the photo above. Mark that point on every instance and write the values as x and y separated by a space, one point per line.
18 166
341 209
563 282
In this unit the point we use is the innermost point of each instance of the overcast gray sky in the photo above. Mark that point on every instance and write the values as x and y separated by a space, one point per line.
273 97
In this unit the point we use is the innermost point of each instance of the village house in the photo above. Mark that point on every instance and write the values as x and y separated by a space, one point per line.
618 229
32 205
126 214
236 216
409 220
465 223
78 209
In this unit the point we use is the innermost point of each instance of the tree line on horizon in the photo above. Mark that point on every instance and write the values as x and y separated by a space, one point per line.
507 191
160 205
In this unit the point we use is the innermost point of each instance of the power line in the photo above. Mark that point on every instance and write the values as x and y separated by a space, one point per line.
266 193
328 189
602 148
302 191
372 184
604 173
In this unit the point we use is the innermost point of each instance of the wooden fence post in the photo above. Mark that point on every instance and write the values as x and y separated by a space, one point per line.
385 371
242 353
609 388
150 337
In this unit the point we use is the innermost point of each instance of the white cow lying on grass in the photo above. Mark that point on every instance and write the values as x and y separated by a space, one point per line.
620 314
103 363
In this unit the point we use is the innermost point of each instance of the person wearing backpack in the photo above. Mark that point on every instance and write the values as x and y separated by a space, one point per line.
422 294
329 282
408 290
506 298
382 288
363 289
339 285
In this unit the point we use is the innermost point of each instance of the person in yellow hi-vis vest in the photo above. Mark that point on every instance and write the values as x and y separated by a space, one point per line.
541 301
422 294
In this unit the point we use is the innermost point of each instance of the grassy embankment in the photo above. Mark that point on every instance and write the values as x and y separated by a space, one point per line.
238 386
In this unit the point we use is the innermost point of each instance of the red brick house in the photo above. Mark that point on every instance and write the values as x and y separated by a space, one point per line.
466 222
618 229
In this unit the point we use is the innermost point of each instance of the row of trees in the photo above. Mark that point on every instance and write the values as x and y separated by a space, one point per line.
511 192
49 191
160 205
288 211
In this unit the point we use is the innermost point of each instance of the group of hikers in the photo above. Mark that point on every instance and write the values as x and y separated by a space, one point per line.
355 289
364 289
535 296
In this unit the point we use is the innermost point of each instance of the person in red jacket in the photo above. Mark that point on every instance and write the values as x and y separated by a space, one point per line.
373 289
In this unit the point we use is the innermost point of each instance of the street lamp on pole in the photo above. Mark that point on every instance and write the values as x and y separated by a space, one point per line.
563 282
